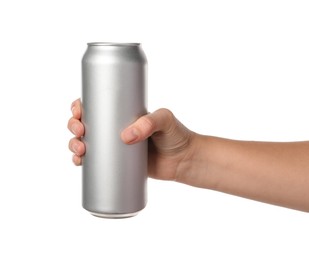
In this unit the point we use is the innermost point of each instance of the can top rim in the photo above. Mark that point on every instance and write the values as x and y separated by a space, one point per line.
112 44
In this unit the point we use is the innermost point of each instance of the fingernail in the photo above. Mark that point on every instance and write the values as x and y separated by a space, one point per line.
132 135
72 109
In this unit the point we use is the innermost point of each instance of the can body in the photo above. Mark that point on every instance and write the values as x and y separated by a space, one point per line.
114 95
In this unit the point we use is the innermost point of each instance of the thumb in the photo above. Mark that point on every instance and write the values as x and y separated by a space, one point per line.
147 125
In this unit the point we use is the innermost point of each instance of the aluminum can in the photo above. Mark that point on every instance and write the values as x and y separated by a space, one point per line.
114 95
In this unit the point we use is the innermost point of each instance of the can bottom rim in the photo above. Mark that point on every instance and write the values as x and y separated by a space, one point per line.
124 44
107 215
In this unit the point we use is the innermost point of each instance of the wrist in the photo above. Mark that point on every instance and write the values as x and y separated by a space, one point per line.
194 168
204 162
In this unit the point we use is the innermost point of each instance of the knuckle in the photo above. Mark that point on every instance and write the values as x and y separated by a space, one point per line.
76 109
71 144
71 121
148 123
75 102
166 113
76 160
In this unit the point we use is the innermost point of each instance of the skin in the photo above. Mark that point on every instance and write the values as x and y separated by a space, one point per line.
271 172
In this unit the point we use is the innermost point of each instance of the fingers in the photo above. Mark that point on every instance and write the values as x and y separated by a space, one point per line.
76 127
158 121
77 160
76 109
77 147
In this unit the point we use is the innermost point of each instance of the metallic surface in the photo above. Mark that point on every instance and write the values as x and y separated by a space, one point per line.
113 96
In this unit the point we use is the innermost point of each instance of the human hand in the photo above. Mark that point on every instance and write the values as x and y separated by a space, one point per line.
77 128
170 144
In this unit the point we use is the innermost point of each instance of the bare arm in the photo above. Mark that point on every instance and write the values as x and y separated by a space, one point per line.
275 173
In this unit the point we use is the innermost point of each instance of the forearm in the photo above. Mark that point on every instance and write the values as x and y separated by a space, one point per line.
276 173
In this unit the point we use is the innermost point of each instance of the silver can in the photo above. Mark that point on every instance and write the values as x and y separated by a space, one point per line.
114 95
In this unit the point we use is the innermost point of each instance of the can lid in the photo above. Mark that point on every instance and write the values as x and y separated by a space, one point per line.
112 44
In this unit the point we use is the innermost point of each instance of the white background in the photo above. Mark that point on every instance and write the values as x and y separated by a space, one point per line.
236 69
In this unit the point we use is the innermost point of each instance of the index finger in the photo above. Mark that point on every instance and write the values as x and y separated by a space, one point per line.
76 108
